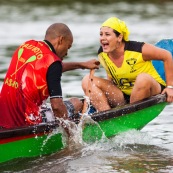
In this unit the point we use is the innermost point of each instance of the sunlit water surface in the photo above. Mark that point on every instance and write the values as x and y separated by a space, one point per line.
148 150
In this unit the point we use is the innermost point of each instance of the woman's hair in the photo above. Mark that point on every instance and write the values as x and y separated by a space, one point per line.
117 34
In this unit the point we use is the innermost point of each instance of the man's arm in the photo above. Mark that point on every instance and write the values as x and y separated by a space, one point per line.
59 108
54 87
91 64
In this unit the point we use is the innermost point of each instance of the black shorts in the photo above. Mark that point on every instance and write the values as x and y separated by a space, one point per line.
127 97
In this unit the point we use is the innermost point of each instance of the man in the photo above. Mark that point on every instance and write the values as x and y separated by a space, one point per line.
35 74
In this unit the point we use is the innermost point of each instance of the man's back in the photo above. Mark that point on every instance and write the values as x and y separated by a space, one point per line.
25 85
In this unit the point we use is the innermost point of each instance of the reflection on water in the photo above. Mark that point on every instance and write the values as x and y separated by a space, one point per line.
147 151
136 158
112 155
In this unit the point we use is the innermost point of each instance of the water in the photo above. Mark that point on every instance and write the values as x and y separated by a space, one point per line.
149 150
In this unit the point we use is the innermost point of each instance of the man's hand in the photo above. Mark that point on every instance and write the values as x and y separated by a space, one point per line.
91 64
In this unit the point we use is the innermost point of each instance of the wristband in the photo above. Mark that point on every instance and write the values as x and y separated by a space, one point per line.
169 86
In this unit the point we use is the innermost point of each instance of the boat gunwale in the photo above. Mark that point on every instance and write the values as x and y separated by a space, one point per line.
42 129
45 128
129 108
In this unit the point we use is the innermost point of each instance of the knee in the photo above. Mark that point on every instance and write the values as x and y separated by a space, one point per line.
77 103
143 80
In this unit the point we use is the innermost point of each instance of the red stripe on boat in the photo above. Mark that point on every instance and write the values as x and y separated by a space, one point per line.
13 139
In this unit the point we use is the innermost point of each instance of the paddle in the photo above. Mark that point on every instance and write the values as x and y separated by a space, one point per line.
32 58
85 105
19 55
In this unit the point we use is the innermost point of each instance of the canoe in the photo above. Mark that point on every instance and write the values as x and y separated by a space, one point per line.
47 138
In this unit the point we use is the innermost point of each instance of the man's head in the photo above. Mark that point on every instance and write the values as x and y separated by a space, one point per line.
60 36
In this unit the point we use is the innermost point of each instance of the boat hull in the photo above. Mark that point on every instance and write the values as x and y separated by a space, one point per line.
47 138
135 120
30 141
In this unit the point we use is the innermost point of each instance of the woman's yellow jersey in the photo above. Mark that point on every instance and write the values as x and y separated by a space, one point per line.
133 64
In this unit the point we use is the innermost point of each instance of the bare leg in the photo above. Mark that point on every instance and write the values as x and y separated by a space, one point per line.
77 104
145 86
104 94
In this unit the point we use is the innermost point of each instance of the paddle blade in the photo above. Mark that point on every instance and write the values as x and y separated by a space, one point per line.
20 52
32 58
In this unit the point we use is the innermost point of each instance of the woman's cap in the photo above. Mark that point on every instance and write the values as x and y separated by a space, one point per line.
117 25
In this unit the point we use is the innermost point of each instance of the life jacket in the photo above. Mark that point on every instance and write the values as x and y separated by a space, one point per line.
25 87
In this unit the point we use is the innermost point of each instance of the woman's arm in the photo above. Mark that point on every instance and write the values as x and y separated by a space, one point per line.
151 52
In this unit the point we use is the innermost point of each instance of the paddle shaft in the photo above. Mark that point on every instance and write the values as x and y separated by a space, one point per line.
85 105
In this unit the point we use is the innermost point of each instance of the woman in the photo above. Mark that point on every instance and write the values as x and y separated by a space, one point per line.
130 74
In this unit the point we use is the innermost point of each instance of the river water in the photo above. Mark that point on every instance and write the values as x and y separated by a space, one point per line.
145 151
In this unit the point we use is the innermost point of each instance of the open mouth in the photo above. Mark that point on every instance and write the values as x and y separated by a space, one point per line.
105 45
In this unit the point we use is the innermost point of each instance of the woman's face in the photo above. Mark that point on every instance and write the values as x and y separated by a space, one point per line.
108 39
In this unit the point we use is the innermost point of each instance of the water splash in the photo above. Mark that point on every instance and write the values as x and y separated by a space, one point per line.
57 130
120 143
